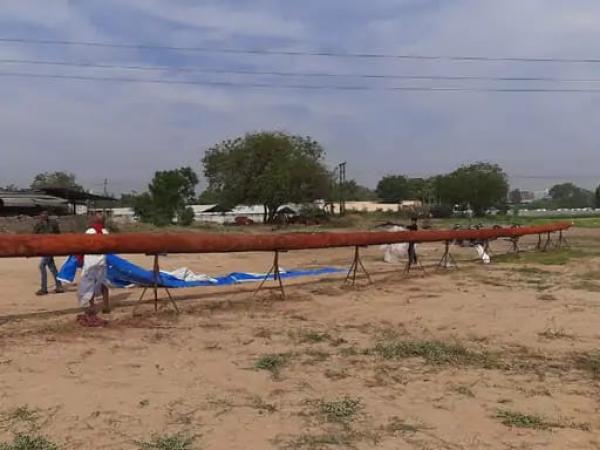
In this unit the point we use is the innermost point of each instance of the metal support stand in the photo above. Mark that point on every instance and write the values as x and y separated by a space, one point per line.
155 286
539 244
447 261
274 270
354 268
562 241
547 243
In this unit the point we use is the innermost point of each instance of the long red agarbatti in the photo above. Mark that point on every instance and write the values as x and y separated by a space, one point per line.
159 243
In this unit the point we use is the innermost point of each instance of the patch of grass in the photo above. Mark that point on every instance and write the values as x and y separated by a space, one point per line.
350 351
27 442
336 374
316 356
343 410
262 406
586 285
518 420
167 442
555 333
549 258
435 352
547 298
531 271
273 362
464 390
319 441
22 418
589 362
396 425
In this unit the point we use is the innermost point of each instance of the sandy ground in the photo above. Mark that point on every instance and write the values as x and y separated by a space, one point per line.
485 357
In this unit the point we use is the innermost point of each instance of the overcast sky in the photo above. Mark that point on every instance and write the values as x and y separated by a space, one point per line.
126 131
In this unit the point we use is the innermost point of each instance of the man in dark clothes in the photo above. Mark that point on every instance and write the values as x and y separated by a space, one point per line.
47 226
412 252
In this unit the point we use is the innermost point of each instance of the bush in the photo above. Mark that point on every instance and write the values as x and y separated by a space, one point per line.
186 217
441 211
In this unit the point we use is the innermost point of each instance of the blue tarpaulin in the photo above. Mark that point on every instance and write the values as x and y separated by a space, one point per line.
122 273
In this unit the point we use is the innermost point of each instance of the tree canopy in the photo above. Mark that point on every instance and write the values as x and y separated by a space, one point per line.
597 197
269 168
168 195
479 186
568 195
515 197
393 189
64 180
352 191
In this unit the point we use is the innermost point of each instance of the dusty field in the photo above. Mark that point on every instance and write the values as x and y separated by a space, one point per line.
486 357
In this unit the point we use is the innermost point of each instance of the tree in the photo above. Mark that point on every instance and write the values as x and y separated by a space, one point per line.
208 197
597 197
515 197
393 189
353 192
479 186
567 195
269 168
168 195
55 180
10 188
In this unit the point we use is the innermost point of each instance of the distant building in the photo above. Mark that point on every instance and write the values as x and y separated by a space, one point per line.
30 203
527 196
368 206
57 201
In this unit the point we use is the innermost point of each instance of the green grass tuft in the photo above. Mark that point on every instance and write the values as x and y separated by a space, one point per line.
343 410
272 362
27 442
167 442
435 352
518 420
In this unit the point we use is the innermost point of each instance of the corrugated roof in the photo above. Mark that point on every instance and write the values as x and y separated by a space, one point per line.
30 200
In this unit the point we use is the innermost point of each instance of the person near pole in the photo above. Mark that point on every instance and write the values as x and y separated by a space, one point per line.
93 283
47 226
412 250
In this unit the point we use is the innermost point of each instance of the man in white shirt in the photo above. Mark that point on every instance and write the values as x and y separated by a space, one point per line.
93 283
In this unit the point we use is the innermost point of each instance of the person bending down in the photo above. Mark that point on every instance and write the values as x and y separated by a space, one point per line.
93 283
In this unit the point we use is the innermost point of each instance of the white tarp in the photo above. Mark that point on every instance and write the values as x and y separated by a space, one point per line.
393 253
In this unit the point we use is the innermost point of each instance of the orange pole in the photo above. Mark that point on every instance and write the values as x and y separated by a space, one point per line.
155 243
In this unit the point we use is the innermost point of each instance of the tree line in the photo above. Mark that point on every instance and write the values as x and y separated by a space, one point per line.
275 168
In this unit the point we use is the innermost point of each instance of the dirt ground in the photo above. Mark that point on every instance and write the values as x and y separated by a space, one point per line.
483 357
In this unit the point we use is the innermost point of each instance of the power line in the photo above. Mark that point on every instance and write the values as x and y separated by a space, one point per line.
295 86
336 54
291 74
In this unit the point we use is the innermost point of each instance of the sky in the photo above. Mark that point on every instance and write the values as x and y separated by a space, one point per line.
125 131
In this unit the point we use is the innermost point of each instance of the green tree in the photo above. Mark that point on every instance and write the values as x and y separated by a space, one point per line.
393 189
597 197
353 192
479 186
515 197
208 197
269 168
567 195
168 195
55 180
10 188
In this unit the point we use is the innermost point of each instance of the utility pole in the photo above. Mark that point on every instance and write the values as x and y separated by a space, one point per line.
106 187
342 183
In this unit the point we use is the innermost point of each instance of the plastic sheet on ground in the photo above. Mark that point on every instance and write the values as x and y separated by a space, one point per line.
122 273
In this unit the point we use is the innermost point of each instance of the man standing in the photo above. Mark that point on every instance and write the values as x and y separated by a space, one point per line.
47 226
412 250
93 283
